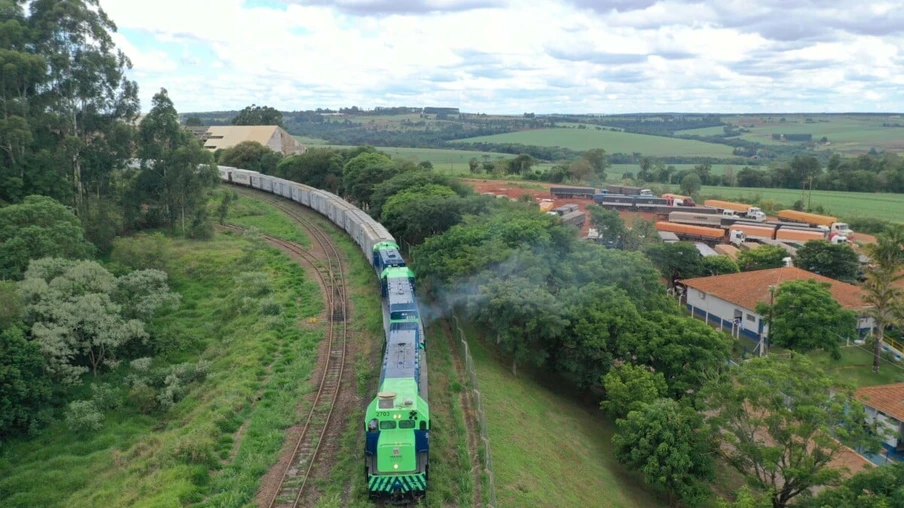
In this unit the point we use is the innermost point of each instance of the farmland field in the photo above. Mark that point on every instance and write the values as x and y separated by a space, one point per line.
442 159
846 205
845 133
612 142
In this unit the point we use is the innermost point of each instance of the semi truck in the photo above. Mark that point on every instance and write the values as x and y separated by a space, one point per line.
741 209
702 234
572 192
632 203
826 222
628 190
760 230
679 200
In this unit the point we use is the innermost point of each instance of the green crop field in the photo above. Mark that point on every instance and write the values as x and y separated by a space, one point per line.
846 133
548 450
442 159
612 142
846 205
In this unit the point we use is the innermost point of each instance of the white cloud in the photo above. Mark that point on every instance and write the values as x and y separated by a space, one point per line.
499 56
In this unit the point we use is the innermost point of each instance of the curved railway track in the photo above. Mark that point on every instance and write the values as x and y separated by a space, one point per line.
305 453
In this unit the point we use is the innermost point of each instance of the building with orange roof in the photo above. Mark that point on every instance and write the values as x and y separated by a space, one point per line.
885 407
730 301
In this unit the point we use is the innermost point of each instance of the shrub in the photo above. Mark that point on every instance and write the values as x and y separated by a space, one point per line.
83 415
142 251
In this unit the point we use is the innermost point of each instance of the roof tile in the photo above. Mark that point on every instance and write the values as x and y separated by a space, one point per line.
747 288
886 398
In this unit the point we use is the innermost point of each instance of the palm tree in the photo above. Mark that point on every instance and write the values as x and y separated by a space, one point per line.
885 298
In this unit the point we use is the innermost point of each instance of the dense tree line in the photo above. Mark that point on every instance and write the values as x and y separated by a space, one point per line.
77 171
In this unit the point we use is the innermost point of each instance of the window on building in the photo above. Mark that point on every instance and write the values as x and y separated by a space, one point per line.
751 317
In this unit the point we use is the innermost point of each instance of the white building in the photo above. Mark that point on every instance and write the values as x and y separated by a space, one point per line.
730 300
885 407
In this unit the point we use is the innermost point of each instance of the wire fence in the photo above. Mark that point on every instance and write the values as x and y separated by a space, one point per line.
483 451
490 487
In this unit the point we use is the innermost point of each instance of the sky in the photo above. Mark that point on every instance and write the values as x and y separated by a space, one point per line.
517 56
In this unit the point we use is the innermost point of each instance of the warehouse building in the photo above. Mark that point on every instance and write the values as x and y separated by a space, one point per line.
216 137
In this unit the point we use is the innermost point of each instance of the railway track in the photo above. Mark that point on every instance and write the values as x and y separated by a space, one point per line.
305 453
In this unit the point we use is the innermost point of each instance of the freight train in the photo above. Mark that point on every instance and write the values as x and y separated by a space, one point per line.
397 420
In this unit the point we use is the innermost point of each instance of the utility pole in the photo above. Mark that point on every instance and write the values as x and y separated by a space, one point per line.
810 195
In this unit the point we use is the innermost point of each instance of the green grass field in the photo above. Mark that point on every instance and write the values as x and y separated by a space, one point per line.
846 205
856 366
548 450
612 142
443 160
849 134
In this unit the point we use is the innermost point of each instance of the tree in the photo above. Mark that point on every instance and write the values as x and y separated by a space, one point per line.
762 258
193 121
629 387
24 387
474 165
836 261
878 487
176 172
679 260
665 441
690 184
608 223
258 115
597 159
598 316
521 315
318 167
580 169
719 265
679 347
521 164
782 422
384 190
252 156
38 227
82 316
646 166
805 316
361 173
86 102
885 298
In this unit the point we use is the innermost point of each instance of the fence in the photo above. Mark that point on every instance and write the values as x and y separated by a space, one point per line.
479 411
478 401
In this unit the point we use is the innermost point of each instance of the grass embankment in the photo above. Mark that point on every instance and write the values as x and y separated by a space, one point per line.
856 367
213 446
612 142
548 450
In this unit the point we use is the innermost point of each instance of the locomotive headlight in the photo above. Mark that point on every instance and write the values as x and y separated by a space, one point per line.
395 466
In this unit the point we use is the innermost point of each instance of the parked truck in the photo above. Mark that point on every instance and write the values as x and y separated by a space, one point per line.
572 192
679 200
826 222
702 234
741 209
627 190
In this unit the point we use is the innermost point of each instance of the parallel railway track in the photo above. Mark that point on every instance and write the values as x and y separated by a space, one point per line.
305 454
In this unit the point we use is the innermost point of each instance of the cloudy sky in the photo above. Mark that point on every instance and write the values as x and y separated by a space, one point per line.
515 56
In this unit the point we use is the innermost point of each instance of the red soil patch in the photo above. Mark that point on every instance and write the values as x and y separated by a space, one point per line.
508 189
